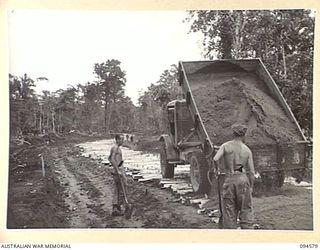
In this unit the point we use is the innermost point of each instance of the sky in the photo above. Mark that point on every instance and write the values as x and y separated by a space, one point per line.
63 46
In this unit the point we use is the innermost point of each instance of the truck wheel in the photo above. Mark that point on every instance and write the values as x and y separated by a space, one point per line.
198 173
167 169
280 179
272 180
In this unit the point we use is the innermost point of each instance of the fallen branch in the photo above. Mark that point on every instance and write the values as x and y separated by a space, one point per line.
21 141
19 166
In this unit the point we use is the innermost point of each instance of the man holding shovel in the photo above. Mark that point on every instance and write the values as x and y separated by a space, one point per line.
120 181
238 184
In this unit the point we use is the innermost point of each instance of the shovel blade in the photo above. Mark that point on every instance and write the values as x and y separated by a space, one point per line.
128 211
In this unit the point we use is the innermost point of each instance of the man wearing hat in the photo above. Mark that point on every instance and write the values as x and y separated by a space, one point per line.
238 184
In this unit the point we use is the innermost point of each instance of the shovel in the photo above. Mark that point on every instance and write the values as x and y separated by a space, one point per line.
217 174
128 207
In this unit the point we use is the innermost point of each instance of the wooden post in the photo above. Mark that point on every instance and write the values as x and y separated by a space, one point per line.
42 166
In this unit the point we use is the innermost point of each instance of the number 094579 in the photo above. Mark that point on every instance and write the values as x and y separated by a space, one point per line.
308 246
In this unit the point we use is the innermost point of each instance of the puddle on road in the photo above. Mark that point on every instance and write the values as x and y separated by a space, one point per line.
292 181
148 165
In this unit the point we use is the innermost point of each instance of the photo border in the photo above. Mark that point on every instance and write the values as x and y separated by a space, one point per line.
149 235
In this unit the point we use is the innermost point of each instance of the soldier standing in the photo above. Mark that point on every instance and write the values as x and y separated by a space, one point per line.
238 185
115 159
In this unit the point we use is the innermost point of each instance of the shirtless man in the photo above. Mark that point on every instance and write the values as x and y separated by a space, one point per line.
115 158
238 185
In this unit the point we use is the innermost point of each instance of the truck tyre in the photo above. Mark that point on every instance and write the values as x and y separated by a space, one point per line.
272 181
198 173
280 179
167 169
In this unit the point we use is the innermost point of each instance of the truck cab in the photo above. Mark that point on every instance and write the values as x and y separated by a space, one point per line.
180 122
182 145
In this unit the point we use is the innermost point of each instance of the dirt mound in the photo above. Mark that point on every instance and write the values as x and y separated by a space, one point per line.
223 104
219 67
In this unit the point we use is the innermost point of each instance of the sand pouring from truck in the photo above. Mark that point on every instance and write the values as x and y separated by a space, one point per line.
217 94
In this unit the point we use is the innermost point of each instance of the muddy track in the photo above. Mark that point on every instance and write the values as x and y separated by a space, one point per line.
88 195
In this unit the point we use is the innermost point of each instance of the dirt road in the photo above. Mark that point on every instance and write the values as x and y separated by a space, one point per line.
76 193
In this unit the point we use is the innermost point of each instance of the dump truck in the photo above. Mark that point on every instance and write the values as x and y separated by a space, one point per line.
217 94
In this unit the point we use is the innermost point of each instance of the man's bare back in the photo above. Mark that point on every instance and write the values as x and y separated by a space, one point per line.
236 154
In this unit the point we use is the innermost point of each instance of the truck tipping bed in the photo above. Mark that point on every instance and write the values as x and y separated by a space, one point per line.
223 92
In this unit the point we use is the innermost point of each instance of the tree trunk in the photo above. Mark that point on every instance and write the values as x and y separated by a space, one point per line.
237 37
48 119
90 117
60 124
35 119
40 122
284 61
156 120
239 23
53 124
105 115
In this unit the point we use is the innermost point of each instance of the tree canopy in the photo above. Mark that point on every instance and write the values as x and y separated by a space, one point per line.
283 39
110 81
98 106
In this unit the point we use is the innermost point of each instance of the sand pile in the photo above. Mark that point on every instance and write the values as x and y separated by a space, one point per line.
234 101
